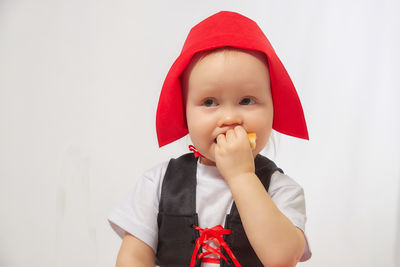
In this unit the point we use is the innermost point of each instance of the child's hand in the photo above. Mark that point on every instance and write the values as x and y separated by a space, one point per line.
233 154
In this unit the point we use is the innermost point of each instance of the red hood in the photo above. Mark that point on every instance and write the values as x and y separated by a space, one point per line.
228 29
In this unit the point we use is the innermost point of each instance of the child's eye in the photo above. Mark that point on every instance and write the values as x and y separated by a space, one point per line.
247 101
210 102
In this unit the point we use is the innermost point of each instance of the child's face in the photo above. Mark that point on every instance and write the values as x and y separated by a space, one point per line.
225 89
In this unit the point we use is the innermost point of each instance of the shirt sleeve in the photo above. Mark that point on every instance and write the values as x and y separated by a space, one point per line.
288 196
137 212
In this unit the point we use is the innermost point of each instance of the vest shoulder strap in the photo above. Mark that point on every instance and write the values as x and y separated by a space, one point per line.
179 186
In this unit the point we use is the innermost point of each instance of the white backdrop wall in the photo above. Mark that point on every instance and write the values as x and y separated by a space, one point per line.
79 83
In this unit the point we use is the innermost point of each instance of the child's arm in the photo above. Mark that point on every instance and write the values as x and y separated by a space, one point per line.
274 238
134 252
276 241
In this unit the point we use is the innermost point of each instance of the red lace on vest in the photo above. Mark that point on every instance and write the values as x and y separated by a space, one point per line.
196 153
214 234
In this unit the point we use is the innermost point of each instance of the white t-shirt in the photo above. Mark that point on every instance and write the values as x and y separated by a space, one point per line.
137 213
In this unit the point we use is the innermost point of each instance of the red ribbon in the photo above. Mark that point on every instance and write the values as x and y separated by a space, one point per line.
196 153
214 234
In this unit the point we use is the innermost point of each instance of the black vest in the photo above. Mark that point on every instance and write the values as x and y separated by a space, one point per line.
177 216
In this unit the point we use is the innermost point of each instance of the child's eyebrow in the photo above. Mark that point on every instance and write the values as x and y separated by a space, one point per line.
207 89
249 86
254 88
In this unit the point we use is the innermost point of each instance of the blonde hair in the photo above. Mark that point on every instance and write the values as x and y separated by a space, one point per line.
225 49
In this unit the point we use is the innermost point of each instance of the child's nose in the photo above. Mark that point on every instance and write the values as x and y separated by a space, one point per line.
230 117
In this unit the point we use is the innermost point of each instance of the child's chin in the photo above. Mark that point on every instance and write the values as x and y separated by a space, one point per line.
207 162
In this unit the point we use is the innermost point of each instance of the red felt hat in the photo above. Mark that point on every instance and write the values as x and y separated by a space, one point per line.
234 30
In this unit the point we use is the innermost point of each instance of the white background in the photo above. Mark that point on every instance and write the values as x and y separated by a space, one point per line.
79 83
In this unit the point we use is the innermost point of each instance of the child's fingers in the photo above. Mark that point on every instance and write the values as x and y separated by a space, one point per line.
221 140
230 135
240 132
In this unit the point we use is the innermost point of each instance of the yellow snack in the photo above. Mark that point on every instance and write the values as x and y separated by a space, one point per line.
252 140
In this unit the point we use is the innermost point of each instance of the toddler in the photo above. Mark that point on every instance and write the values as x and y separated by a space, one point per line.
224 204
